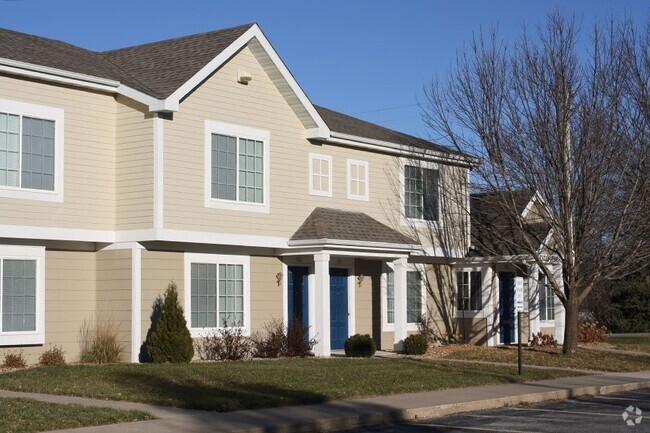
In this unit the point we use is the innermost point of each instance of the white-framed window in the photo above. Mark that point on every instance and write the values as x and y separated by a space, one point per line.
237 168
217 291
421 191
469 293
320 174
415 297
546 299
358 180
31 151
22 295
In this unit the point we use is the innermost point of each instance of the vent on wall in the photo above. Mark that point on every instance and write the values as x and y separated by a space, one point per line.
244 77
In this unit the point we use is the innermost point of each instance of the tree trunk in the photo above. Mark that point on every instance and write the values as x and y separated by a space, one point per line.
571 325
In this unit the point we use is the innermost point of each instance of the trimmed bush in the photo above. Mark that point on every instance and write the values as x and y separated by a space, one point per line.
360 346
171 341
415 344
54 356
14 360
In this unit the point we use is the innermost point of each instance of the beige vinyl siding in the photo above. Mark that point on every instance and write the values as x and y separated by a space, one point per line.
89 153
266 295
134 166
258 105
159 268
368 307
69 301
114 288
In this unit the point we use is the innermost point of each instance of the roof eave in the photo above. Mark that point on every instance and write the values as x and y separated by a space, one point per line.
344 243
400 149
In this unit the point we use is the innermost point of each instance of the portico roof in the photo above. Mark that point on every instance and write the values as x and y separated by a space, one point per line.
347 228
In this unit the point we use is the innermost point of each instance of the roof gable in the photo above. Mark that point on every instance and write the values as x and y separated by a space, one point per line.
164 66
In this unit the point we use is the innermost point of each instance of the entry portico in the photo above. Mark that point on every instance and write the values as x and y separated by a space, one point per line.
344 251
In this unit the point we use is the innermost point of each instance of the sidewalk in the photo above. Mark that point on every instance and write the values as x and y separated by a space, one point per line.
355 413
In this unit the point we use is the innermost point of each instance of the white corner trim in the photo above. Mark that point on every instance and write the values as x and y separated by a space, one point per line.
158 141
358 163
46 113
238 131
216 259
136 302
313 157
36 337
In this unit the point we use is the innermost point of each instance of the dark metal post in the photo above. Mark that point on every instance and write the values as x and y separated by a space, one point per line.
519 342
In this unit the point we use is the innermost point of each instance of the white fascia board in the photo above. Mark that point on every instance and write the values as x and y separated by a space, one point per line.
338 243
322 131
399 149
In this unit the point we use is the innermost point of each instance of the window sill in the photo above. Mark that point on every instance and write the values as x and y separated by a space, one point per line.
415 222
30 194
204 332
23 338
547 323
321 193
390 327
239 206
358 197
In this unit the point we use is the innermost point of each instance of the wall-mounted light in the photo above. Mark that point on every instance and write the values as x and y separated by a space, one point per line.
360 279
244 77
278 278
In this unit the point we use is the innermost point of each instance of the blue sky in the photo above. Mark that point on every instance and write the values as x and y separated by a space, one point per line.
360 57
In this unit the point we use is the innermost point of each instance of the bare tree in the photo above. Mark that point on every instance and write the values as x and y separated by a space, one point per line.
572 127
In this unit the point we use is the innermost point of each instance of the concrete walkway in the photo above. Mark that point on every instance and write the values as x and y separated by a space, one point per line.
355 413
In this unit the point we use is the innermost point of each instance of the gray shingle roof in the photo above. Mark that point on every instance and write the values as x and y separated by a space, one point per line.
345 124
160 68
340 225
494 232
165 66
54 54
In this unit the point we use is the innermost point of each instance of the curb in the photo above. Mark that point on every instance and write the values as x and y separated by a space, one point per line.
377 417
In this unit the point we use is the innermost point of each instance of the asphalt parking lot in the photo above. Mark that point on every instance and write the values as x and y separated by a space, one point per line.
600 414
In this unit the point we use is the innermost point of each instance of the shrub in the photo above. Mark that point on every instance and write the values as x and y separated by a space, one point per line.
298 342
543 340
360 346
14 360
99 342
227 344
54 356
590 332
279 341
415 344
171 341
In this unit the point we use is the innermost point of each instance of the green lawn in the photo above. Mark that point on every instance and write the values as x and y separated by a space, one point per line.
636 344
21 415
227 386
552 357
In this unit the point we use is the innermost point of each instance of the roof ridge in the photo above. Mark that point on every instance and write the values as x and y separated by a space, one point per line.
178 38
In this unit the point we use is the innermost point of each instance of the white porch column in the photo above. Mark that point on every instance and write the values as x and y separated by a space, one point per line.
399 268
560 319
321 302
533 300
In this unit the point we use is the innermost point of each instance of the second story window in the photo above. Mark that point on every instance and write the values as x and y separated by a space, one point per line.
357 180
421 193
320 174
237 167
31 151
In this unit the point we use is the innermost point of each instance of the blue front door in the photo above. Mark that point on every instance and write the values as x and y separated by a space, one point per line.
297 296
507 307
338 307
